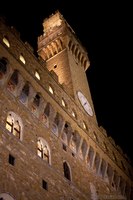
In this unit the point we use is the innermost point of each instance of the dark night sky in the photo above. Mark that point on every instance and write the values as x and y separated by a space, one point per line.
105 30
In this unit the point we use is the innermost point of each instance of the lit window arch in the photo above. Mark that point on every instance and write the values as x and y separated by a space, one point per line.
51 89
14 124
37 75
6 41
84 125
43 150
22 59
67 171
74 114
63 102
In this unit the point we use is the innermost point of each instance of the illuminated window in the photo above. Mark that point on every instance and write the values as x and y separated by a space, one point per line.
13 125
37 75
43 150
84 126
51 90
63 102
16 129
73 114
22 59
9 123
6 42
46 153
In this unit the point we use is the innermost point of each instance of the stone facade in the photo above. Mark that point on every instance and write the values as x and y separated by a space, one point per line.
50 148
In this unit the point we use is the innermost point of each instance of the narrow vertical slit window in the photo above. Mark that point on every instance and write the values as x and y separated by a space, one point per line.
66 171
11 160
44 185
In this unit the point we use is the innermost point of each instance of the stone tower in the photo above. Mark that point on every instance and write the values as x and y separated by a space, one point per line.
65 55
51 146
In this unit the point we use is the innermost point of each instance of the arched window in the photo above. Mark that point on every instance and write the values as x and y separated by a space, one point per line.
14 125
67 173
13 82
43 150
24 93
3 67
